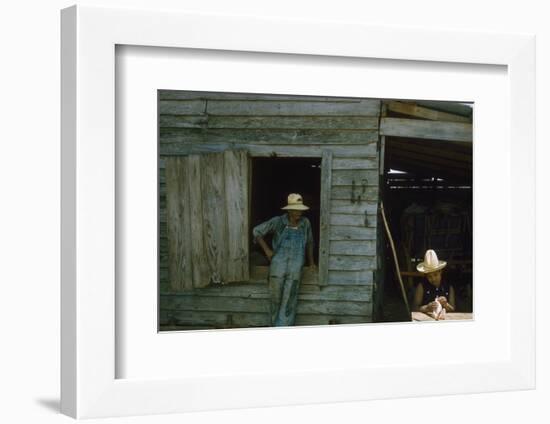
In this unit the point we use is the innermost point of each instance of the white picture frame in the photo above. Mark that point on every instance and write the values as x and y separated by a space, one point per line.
89 383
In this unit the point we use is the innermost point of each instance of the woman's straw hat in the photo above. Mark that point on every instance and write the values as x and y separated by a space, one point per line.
431 263
295 202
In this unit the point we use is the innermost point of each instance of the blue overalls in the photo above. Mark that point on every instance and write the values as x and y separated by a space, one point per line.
285 274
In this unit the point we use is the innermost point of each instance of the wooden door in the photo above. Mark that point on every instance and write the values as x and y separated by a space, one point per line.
207 218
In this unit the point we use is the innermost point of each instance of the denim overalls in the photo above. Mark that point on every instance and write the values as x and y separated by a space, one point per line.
285 273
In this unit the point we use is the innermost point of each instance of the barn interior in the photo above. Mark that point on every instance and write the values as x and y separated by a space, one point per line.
427 194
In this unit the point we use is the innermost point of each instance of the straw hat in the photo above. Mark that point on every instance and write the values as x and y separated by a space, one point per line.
431 263
295 202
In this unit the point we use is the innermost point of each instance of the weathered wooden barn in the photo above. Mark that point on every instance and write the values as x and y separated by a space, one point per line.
227 162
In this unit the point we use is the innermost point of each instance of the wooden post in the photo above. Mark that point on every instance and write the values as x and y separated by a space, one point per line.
398 272
382 153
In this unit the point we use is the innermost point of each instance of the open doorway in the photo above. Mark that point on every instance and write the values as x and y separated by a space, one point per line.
428 199
272 180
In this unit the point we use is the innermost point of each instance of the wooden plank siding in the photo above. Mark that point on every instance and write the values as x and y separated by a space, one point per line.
214 219
247 305
285 107
380 272
344 132
273 122
179 222
324 242
206 95
236 205
200 267
178 320
266 136
315 149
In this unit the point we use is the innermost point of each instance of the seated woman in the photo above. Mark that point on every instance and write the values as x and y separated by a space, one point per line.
433 296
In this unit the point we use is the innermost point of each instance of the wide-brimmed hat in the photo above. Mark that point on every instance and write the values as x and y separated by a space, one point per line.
431 263
295 202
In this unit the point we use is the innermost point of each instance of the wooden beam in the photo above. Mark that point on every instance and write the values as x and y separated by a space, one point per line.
267 136
367 150
416 128
362 107
294 122
394 254
427 168
412 274
382 165
216 95
397 144
271 122
413 109
451 107
453 146
431 160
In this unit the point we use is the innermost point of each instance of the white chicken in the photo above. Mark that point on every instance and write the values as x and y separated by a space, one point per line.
439 311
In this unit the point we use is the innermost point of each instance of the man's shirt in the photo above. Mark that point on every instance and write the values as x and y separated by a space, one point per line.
277 224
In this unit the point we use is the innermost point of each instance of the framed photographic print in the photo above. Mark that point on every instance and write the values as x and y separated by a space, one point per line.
280 210
286 217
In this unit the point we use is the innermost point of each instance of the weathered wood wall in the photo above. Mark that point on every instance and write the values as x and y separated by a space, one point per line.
264 125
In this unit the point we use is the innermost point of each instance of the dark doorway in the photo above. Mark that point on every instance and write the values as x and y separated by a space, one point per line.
273 179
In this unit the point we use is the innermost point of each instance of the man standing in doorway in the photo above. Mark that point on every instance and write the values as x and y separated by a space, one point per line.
292 237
